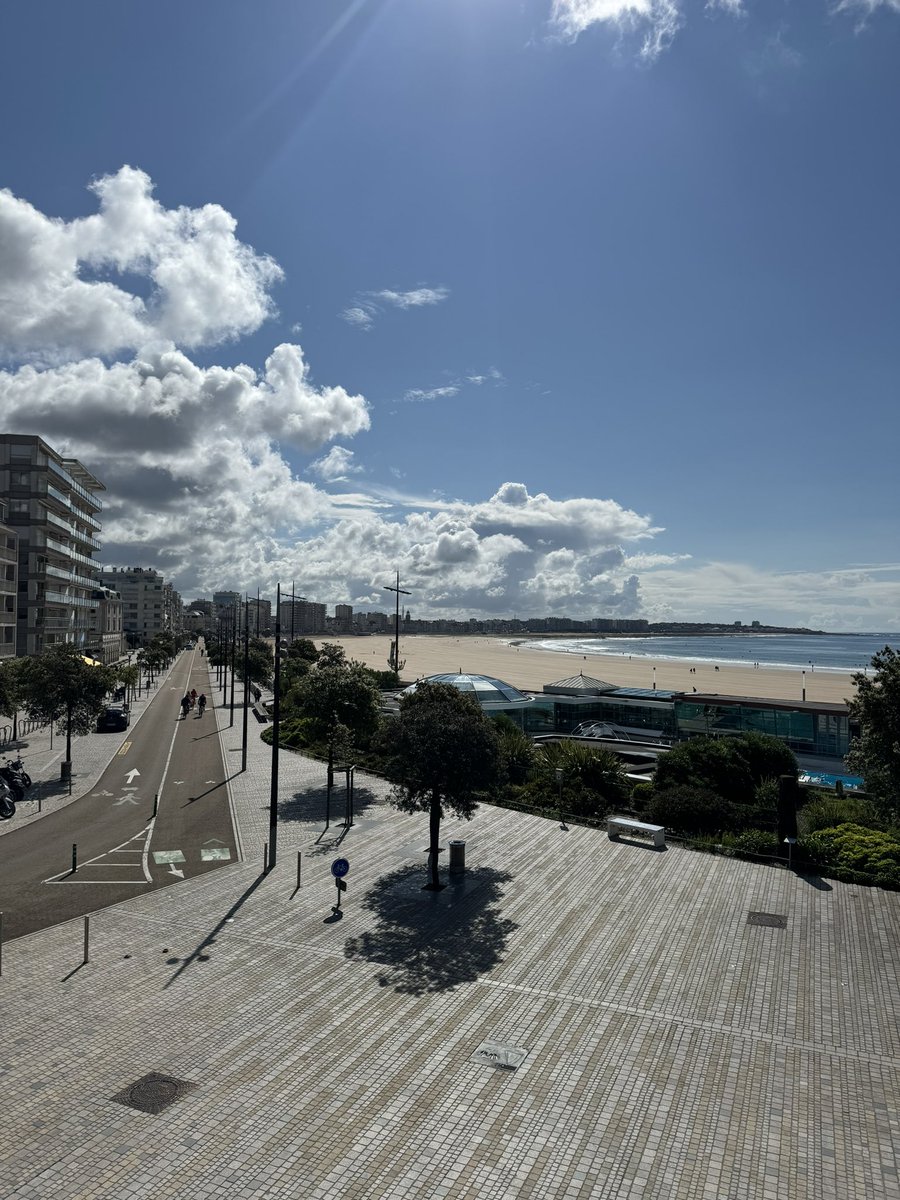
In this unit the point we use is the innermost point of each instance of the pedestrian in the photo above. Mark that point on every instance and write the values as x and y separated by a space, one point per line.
257 694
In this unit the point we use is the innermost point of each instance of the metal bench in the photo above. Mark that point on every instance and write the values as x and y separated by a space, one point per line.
617 825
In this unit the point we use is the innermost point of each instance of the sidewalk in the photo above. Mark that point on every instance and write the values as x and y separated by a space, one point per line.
672 1050
42 751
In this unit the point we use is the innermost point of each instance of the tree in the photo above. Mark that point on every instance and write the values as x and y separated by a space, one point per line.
444 756
60 686
303 649
337 692
593 777
11 690
875 753
710 764
259 657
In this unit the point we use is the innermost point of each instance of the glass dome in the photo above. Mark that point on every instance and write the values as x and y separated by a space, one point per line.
489 692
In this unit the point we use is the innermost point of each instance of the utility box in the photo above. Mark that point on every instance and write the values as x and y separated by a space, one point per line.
457 858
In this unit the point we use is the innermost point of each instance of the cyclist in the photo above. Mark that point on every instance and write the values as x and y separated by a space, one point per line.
193 697
185 705
201 703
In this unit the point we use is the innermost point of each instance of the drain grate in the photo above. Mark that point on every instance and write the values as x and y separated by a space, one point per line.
774 920
153 1092
497 1054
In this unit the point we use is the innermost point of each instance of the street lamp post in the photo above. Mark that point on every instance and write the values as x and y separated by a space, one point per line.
560 773
246 683
276 722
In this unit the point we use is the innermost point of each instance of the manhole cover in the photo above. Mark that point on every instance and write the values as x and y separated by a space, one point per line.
775 920
498 1054
153 1092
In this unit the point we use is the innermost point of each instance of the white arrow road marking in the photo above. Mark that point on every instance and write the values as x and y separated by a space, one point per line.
131 774
125 800
206 781
214 842
178 781
175 871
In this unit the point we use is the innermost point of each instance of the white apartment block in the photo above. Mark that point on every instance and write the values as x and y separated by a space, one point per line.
149 604
53 509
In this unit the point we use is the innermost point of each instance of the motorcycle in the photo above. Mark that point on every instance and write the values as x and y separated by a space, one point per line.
16 778
7 801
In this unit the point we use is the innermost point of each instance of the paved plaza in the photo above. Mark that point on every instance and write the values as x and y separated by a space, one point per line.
672 1049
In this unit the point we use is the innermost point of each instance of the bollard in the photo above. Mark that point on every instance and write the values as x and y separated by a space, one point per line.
265 857
74 857
299 857
156 804
87 934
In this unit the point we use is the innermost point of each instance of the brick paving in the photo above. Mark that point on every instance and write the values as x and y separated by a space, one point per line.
673 1050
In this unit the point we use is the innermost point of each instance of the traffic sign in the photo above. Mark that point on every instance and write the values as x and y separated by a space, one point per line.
339 868
341 885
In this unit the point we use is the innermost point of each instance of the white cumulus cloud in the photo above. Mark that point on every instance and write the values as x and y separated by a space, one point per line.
656 21
64 290
336 465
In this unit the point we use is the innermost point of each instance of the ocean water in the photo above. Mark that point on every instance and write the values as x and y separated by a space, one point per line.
813 652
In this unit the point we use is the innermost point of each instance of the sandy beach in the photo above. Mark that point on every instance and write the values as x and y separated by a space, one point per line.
428 654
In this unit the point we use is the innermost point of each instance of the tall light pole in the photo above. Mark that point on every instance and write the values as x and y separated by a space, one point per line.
276 721
394 659
246 682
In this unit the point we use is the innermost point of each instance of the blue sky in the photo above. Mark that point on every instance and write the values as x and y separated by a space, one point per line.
567 306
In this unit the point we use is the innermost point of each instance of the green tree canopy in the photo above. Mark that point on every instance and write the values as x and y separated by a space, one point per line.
60 686
875 753
337 692
259 657
444 755
303 649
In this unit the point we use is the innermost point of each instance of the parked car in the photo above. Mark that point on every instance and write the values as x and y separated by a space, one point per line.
114 717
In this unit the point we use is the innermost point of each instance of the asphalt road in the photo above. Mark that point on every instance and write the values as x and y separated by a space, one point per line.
122 849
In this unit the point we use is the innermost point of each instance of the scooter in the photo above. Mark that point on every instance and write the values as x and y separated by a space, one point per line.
7 801
15 776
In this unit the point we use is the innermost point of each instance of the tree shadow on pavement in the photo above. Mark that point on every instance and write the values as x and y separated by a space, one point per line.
310 804
433 941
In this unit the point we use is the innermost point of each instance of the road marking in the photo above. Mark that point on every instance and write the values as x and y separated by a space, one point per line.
132 774
152 823
214 853
178 781
124 748
125 800
104 860
214 841
103 793
176 871
163 858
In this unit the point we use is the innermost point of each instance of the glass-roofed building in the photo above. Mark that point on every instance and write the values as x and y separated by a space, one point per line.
493 695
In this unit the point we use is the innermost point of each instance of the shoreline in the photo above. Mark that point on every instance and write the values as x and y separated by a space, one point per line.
530 669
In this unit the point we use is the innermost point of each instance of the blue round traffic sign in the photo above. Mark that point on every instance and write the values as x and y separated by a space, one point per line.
339 868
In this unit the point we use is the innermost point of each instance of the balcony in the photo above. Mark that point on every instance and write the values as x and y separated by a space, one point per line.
68 601
63 474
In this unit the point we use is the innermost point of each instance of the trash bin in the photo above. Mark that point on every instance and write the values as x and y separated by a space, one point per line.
457 857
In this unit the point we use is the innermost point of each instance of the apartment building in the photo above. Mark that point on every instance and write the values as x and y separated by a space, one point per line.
53 509
107 630
300 617
149 603
9 574
258 616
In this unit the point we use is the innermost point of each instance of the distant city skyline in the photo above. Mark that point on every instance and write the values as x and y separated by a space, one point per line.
558 308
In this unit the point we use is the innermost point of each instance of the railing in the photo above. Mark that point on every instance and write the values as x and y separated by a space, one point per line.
64 475
67 551
69 601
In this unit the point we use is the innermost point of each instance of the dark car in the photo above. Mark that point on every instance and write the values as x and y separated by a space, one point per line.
113 717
